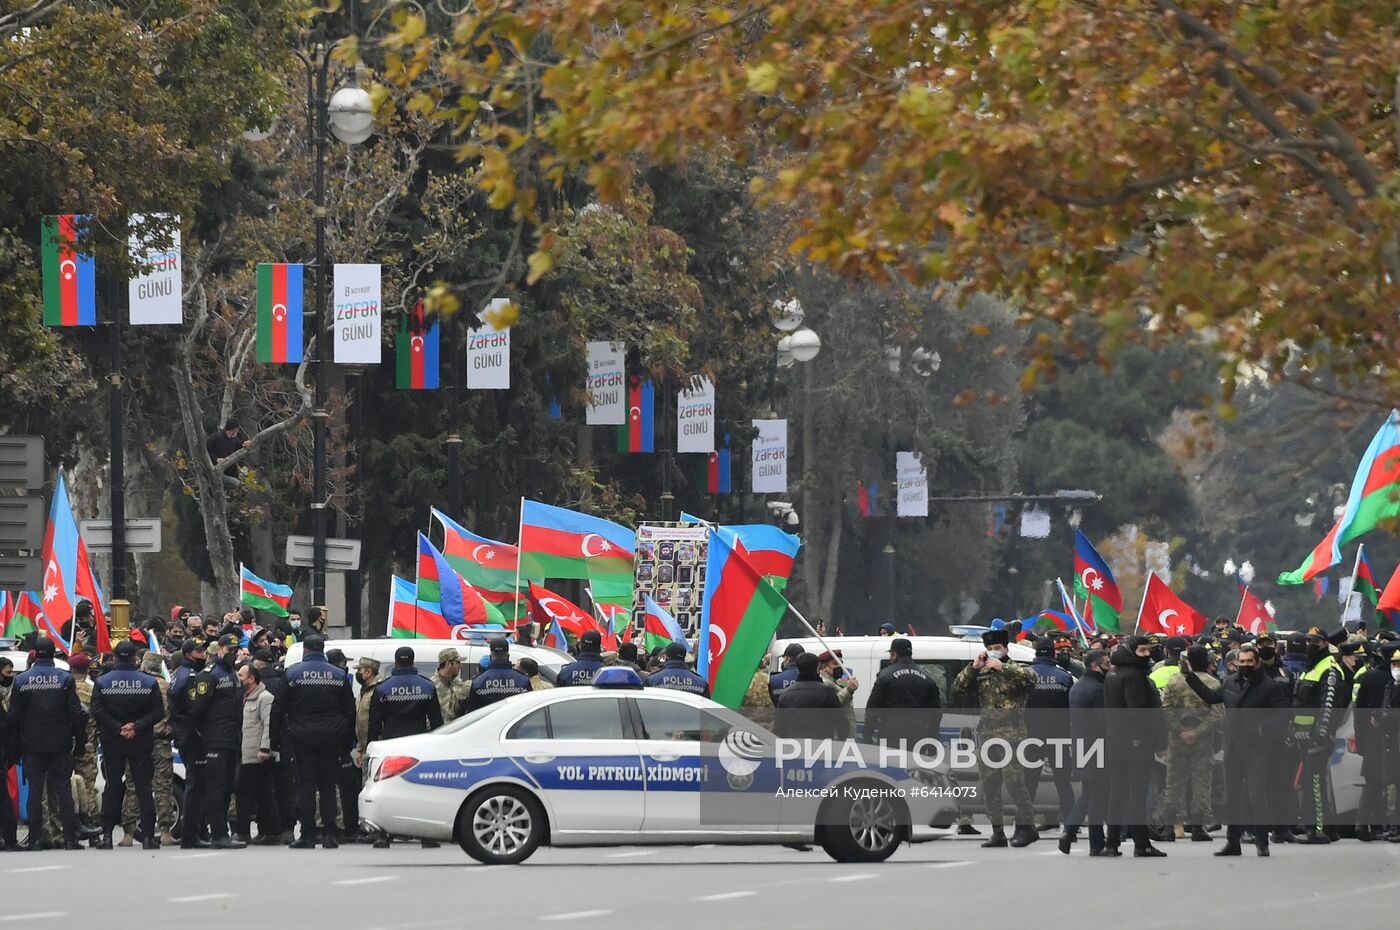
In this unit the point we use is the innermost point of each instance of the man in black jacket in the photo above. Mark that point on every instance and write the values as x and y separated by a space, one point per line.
284 762
904 702
405 703
126 706
809 709
1136 730
1086 722
321 722
52 732
1256 718
187 740
216 707
224 443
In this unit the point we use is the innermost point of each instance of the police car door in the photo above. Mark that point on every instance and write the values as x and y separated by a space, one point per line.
697 784
582 753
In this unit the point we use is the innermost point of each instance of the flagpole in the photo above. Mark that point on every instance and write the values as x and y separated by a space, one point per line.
519 551
1244 596
1351 588
1074 614
1143 605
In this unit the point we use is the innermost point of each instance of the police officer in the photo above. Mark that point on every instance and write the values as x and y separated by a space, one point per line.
583 669
216 708
188 742
321 723
1170 667
676 676
1375 745
904 702
500 681
404 704
1319 697
1047 717
52 732
787 673
126 706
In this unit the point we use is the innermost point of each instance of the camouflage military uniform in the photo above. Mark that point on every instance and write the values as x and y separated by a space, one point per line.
362 714
757 700
86 805
162 776
844 695
1001 695
1189 767
539 684
452 695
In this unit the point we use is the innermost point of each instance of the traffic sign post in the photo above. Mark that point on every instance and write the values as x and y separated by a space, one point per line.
342 555
142 534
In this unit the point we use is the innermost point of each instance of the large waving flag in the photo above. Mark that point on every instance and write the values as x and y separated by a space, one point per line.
410 618
440 583
741 613
70 275
768 549
263 595
1047 621
662 628
1164 612
1095 583
548 608
60 556
1374 499
560 543
486 563
1254 616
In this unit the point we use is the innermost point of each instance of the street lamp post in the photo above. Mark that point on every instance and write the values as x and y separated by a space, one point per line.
350 116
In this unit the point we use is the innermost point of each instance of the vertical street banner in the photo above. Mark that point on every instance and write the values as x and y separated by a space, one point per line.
695 417
770 457
488 353
70 274
912 478
416 352
357 305
154 292
279 314
607 387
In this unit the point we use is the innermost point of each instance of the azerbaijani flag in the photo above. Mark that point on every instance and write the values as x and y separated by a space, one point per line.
662 628
438 582
613 617
1254 616
718 470
70 275
7 607
1095 583
739 617
60 556
1374 499
416 351
638 434
560 543
1045 621
279 313
410 618
263 595
1366 581
556 638
486 563
764 546
25 615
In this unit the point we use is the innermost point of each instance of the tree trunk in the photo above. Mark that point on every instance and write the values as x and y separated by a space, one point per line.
209 492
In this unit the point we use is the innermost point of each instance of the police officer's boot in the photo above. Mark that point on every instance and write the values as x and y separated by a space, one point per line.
328 840
104 841
150 842
1282 836
1366 835
1199 835
1231 848
1314 838
1024 836
997 840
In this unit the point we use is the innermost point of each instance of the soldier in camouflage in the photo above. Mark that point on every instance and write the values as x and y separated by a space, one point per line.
1192 728
452 691
999 687
367 677
163 766
758 700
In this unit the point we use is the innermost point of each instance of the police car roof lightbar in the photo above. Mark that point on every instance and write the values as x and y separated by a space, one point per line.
617 677
968 631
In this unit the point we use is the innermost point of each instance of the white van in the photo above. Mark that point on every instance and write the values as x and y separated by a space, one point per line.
425 653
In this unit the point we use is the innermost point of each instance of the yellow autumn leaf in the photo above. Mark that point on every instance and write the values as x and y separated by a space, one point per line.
762 79
540 263
502 316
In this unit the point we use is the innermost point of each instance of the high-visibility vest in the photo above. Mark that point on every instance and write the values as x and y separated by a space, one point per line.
1166 673
1308 691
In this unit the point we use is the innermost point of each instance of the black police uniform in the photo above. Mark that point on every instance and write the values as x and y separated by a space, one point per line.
284 760
321 722
404 704
778 682
497 683
127 695
581 671
52 731
904 704
216 706
677 677
191 748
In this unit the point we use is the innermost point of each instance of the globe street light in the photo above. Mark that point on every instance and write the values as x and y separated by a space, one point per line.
804 345
351 115
787 316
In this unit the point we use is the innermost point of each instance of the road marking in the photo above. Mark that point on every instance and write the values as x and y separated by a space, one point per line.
37 868
726 895
948 865
38 915
629 855
854 878
194 898
200 855
367 881
576 915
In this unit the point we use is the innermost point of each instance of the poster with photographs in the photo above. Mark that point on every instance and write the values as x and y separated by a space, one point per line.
670 568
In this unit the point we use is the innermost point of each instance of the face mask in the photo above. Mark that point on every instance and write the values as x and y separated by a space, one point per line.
296 624
228 659
1394 673
996 654
1315 653
6 682
1268 653
1248 673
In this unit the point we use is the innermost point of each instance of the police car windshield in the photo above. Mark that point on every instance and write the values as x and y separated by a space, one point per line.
461 723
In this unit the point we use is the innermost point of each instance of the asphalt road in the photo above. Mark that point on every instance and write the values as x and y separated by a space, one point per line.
761 887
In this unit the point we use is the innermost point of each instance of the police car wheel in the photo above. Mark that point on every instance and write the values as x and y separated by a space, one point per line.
862 829
500 825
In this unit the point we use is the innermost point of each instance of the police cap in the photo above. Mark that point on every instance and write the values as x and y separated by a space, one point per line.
675 651
591 641
229 639
192 644
403 655
43 647
1176 643
125 649
1044 646
336 656
793 650
500 647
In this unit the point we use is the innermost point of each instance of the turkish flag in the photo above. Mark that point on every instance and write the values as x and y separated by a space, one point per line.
1390 597
1163 612
547 608
1253 616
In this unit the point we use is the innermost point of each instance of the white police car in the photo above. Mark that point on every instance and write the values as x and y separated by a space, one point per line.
618 764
